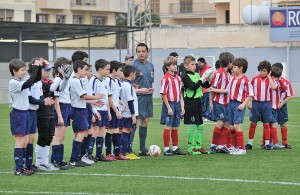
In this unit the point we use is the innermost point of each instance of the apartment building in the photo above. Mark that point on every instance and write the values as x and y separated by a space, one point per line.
205 12
92 12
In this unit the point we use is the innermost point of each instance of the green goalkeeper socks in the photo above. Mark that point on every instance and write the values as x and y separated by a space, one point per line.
191 137
199 134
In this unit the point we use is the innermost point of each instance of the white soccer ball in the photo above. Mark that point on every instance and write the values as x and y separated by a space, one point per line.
154 150
208 74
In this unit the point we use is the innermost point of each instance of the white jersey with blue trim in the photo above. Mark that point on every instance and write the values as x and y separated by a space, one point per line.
100 86
76 91
35 91
114 87
128 94
19 97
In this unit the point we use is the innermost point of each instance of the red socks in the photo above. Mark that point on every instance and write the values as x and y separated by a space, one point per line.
274 135
216 136
174 135
240 139
223 136
284 134
166 137
233 138
252 129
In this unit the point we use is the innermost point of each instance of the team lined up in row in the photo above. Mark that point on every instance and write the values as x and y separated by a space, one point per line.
229 93
74 95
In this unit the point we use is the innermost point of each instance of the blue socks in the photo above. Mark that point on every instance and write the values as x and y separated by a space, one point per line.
125 141
99 146
56 152
76 151
116 143
91 146
18 156
29 155
108 139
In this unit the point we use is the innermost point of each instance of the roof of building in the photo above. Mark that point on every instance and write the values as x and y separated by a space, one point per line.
58 32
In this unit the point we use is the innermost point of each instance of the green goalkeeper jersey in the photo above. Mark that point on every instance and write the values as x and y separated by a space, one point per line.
192 85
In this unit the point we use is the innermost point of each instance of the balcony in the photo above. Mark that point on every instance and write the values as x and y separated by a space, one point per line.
53 4
99 5
192 10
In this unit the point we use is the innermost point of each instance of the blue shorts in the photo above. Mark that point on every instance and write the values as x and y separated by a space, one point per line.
127 124
220 112
145 104
32 121
104 122
261 111
114 122
120 123
235 116
80 122
89 115
18 122
170 120
281 115
65 110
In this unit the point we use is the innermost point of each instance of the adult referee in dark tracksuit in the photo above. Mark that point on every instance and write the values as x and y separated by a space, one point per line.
143 85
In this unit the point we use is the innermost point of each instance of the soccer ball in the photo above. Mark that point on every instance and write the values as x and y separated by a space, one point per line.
154 150
208 74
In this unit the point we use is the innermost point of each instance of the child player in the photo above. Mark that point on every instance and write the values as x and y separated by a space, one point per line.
18 90
99 85
219 105
172 107
112 134
282 110
79 111
129 98
192 105
262 84
240 91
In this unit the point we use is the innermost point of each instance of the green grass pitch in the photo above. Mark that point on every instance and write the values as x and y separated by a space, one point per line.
257 172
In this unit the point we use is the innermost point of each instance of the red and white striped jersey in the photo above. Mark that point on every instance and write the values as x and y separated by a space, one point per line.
289 90
171 86
276 93
239 88
261 88
220 80
201 72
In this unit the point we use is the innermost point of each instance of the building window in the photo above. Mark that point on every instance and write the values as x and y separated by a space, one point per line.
6 15
78 2
99 20
186 6
42 18
227 17
77 19
61 19
155 6
27 16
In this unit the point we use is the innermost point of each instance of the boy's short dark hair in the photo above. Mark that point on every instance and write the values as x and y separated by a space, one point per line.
217 64
79 64
142 45
279 65
174 54
115 65
241 62
101 63
264 65
58 62
187 59
79 55
202 60
128 69
225 59
276 71
16 64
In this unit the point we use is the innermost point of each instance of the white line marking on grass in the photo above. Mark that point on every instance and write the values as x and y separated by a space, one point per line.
173 177
23 192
